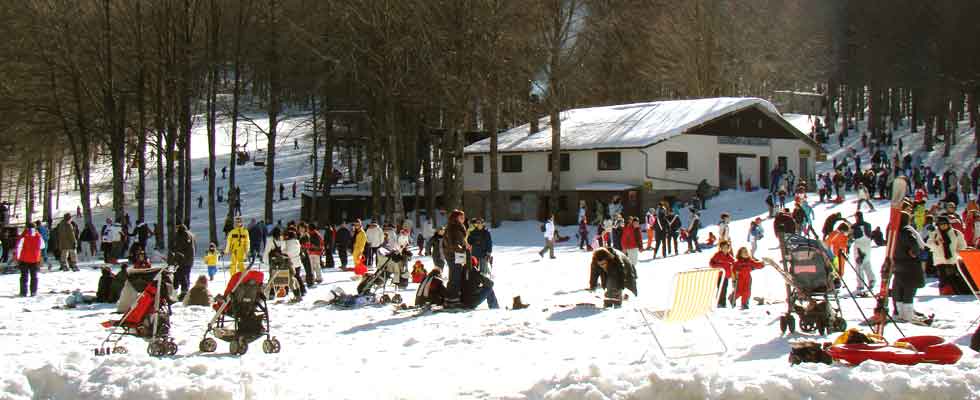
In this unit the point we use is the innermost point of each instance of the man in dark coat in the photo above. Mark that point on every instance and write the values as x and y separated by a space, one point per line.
482 244
783 224
342 243
616 273
830 223
908 274
183 257
476 289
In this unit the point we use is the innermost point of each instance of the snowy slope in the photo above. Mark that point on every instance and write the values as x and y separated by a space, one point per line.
547 351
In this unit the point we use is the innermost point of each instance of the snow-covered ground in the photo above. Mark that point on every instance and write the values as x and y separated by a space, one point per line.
550 350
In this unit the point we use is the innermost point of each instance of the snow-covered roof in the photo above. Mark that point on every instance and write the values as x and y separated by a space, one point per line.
622 126
603 187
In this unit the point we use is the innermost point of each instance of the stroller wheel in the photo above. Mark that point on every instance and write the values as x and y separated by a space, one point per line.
242 346
119 350
276 347
822 327
172 348
155 348
208 345
385 299
233 347
269 347
396 298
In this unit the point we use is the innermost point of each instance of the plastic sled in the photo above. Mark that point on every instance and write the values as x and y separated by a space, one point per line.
906 351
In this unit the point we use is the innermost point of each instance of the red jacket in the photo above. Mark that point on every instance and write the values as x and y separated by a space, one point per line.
746 265
315 243
724 261
631 238
29 247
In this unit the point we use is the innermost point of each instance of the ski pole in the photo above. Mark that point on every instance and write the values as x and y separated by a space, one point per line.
863 282
837 276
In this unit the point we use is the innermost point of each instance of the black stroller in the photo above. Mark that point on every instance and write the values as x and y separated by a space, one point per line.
811 290
148 317
391 265
241 316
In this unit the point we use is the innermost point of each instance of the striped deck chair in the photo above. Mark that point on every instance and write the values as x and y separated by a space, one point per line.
970 271
695 297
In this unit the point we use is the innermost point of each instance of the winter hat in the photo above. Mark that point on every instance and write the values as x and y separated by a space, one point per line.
942 219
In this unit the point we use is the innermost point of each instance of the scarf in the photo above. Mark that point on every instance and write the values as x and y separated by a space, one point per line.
947 252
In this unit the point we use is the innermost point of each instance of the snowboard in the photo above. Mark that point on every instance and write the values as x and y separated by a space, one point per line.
880 316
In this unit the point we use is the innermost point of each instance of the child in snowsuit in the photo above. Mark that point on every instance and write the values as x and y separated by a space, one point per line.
755 234
211 260
723 260
742 269
837 242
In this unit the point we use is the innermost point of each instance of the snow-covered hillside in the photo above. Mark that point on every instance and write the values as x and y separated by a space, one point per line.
551 350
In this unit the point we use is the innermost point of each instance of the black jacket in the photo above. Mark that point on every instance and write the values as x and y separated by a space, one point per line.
473 283
343 238
619 274
183 249
908 270
481 242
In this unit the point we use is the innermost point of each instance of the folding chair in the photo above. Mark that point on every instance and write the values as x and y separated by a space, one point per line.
969 269
695 296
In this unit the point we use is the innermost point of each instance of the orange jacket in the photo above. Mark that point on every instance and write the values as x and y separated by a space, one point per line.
837 242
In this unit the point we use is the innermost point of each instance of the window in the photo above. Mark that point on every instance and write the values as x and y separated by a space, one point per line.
609 161
563 159
677 160
512 163
477 164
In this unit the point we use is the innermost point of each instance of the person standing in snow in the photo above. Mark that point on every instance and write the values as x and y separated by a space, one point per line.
342 243
742 269
435 248
581 211
294 189
673 230
237 245
282 191
457 252
67 234
549 238
183 251
631 240
966 186
615 207
651 222
482 246
864 197
28 256
908 274
375 238
945 243
583 235
692 231
315 251
359 244
723 260
724 233
861 233
756 234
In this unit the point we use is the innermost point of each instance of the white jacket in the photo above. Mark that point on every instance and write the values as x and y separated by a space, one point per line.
404 241
375 236
113 233
549 230
723 233
936 246
863 193
290 248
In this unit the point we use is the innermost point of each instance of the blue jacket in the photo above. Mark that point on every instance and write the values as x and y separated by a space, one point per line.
481 241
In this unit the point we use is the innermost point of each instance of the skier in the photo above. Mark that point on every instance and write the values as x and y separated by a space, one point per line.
211 260
237 246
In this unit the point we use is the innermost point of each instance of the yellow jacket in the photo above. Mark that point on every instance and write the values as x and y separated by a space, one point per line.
211 259
237 241
360 239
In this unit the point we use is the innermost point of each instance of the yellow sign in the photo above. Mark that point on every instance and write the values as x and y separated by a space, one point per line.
648 186
804 152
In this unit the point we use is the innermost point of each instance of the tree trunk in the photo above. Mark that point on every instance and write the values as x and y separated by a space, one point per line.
235 103
376 175
274 106
141 108
212 119
394 166
430 187
555 120
159 127
493 127
831 119
326 180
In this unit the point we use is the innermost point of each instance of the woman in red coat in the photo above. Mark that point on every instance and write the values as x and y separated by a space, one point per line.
723 259
28 255
971 217
744 264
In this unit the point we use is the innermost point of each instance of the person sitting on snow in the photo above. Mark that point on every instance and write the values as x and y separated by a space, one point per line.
616 273
477 288
198 295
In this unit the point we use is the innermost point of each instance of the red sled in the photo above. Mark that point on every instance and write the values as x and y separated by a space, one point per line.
906 351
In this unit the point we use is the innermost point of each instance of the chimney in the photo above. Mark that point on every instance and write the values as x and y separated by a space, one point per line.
532 111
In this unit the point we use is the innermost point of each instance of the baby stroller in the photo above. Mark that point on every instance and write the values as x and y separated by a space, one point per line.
241 316
391 265
811 292
148 317
282 277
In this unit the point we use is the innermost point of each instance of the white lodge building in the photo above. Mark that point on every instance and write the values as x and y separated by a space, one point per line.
642 152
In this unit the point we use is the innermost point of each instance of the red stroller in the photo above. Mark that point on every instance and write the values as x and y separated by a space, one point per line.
148 318
241 316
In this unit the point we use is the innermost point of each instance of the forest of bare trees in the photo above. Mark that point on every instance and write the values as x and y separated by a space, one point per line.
122 82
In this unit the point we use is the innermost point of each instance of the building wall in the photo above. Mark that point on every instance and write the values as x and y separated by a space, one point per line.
536 177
